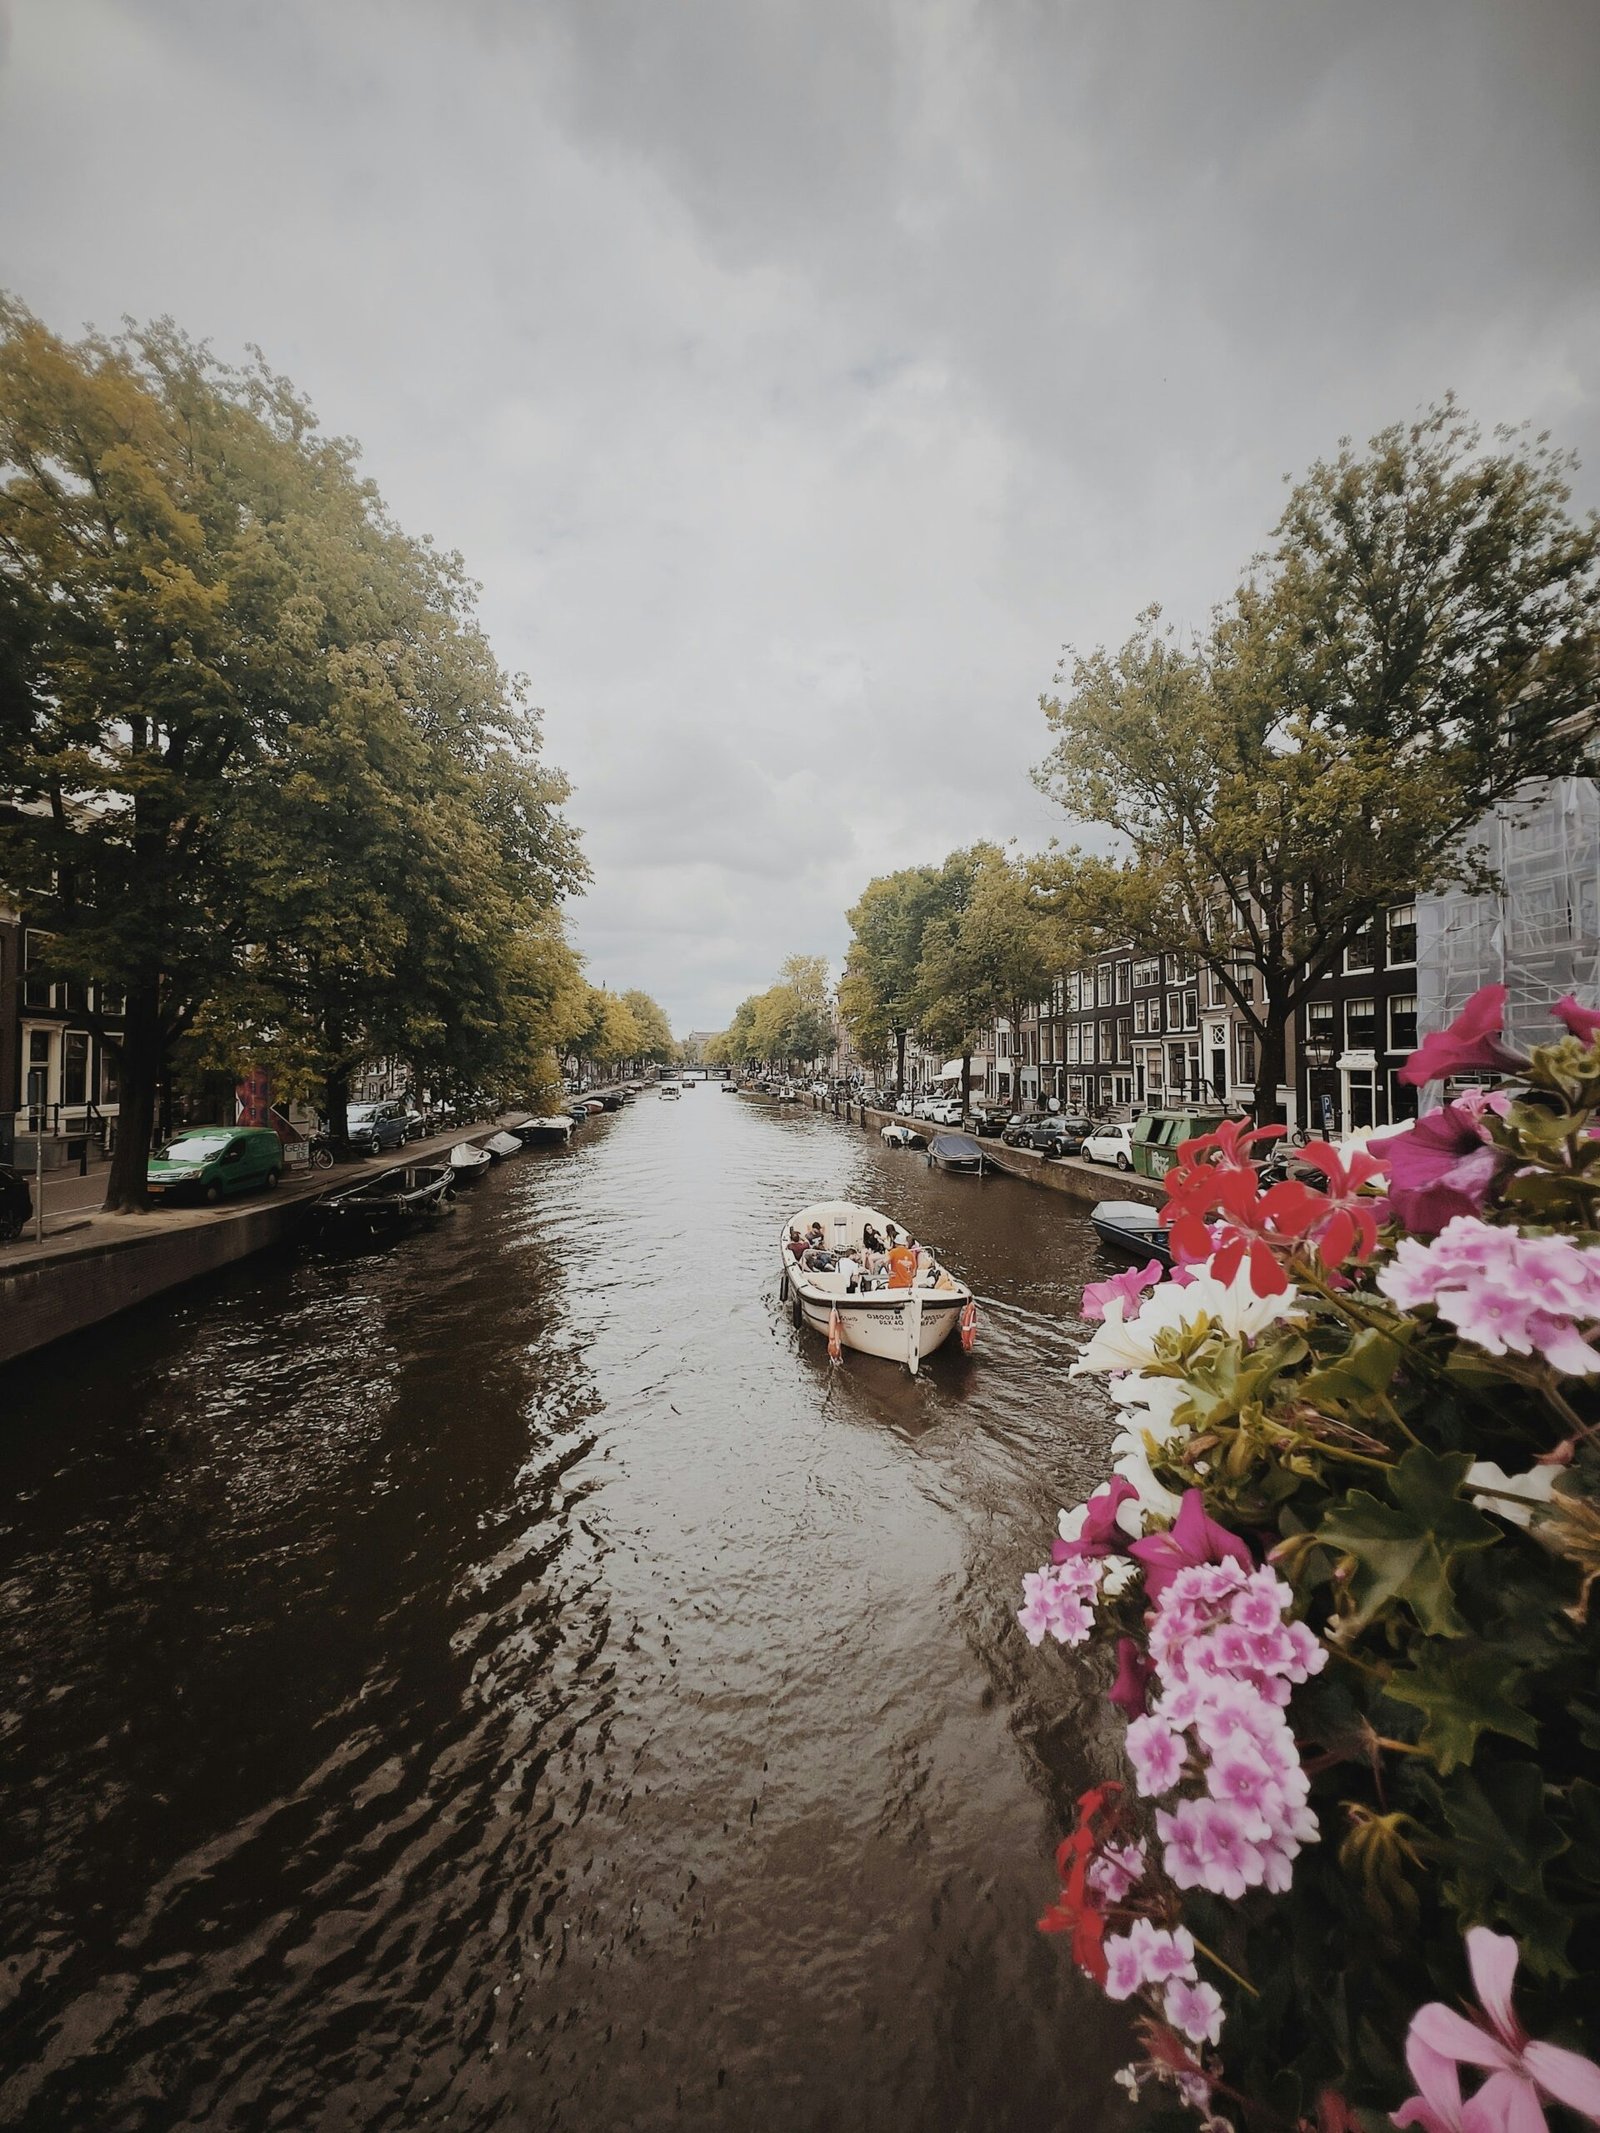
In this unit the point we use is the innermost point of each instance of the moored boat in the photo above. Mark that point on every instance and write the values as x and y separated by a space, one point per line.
469 1163
669 1092
1131 1226
499 1145
392 1200
543 1132
956 1151
829 1290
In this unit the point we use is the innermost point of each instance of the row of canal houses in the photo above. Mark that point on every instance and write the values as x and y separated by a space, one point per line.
1129 1032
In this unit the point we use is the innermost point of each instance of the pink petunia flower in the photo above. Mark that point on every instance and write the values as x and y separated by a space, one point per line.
1130 1690
1129 1286
1523 2075
1194 1538
1441 1166
1156 1753
1124 1968
1582 1022
1471 1044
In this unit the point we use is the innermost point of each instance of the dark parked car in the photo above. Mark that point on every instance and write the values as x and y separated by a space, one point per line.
378 1125
991 1125
16 1202
1046 1136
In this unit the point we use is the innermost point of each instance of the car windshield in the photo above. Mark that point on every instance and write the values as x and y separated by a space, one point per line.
363 1112
193 1147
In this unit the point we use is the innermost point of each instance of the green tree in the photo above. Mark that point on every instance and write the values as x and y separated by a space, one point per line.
258 768
655 1031
881 972
1421 640
993 956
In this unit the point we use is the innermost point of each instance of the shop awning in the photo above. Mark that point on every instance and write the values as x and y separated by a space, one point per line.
951 1070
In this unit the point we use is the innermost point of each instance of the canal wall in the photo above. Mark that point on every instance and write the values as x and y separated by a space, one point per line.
1085 1183
110 1263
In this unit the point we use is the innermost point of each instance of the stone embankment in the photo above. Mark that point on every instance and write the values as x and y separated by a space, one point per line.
1084 1182
103 1264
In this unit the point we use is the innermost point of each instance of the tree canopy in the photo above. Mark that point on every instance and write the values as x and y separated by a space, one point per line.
1422 639
259 770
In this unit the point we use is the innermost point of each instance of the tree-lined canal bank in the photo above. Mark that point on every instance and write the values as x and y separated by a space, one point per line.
507 1681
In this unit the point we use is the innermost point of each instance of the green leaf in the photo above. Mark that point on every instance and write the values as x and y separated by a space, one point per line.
1465 1691
1368 1366
1403 1550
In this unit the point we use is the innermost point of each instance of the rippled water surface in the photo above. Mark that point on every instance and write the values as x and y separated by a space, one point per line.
507 1680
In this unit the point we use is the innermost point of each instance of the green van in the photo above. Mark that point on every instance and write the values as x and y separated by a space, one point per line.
1157 1136
205 1162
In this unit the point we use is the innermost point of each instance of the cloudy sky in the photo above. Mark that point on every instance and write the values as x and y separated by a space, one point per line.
797 375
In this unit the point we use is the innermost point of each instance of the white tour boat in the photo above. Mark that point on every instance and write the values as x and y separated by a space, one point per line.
900 1324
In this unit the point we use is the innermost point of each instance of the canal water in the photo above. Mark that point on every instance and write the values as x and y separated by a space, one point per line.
510 1680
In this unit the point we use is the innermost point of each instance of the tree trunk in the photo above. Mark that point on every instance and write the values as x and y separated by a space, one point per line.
140 1061
336 1108
899 1068
966 1085
1271 1064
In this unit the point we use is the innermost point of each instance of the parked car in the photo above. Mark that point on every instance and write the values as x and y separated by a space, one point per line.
377 1125
416 1127
16 1203
990 1123
1109 1144
945 1111
208 1162
1046 1136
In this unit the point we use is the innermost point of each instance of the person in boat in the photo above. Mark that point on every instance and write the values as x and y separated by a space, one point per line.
816 1237
870 1240
902 1264
797 1244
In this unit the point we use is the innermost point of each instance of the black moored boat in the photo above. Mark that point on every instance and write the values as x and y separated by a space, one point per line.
393 1200
1133 1227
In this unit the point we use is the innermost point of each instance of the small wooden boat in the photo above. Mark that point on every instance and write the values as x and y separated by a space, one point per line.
543 1132
468 1163
956 1151
902 1324
900 1137
500 1145
392 1200
1133 1227
669 1092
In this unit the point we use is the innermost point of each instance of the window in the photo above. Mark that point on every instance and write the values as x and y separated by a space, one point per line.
75 1067
1217 993
1124 1089
1138 1017
1362 952
1102 985
1174 1010
1403 935
1403 1022
1124 1039
1072 1044
1180 968
1191 1010
1244 1049
1105 1037
1176 1067
37 991
1146 974
1319 1021
1124 983
112 1001
1002 1043
110 1085
1360 1026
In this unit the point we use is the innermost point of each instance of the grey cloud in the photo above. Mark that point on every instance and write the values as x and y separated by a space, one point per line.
797 377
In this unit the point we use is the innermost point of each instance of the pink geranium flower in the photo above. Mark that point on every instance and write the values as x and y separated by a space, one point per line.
1193 1538
1523 2075
1470 1045
1129 1286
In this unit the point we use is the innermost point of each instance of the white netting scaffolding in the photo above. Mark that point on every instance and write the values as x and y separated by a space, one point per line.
1539 936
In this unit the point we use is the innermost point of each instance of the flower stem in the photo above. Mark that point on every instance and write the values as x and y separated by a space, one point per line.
1212 1956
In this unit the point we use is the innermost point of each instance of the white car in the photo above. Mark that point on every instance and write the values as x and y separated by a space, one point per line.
946 1111
1109 1144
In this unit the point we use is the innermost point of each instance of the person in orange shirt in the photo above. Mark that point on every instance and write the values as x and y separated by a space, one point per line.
902 1266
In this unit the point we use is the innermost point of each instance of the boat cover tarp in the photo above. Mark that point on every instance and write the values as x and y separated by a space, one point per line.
954 1148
